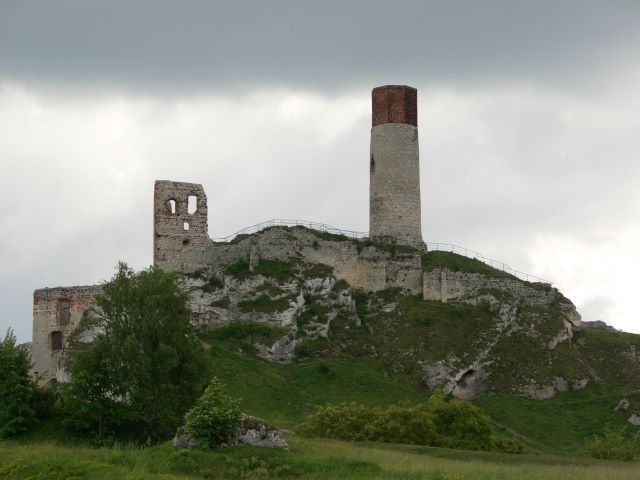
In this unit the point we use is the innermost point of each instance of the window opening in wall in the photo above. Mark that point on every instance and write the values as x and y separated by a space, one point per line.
64 312
185 226
372 165
192 204
56 340
172 205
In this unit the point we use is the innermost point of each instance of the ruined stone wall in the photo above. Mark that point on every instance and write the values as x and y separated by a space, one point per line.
56 312
394 191
445 285
180 234
360 264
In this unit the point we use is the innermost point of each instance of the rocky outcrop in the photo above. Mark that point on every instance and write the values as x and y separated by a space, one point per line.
534 312
251 432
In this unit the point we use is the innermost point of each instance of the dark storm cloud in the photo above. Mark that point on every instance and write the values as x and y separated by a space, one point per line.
182 46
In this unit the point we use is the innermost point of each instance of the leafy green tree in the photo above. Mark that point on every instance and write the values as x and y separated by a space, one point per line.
214 417
144 367
16 388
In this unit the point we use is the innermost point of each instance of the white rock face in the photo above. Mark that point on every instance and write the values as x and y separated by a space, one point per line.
623 406
634 420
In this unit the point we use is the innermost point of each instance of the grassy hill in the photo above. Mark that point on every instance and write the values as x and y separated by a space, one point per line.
379 348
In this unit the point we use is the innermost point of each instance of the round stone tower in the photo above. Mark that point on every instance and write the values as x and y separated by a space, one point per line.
394 188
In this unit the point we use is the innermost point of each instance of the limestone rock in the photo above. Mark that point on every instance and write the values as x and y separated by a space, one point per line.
252 432
255 433
634 420
623 405
183 440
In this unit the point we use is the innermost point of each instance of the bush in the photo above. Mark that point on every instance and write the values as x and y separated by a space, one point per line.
346 421
614 445
214 417
437 422
16 388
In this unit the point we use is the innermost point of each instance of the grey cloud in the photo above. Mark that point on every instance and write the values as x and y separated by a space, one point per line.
186 46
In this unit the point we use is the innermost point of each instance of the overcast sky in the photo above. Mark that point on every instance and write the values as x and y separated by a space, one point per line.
528 116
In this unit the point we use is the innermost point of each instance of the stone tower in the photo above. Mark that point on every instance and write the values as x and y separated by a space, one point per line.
394 189
180 232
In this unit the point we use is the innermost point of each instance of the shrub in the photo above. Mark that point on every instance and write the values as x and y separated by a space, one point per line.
405 424
614 444
214 417
437 422
362 303
466 426
239 269
280 271
264 304
346 421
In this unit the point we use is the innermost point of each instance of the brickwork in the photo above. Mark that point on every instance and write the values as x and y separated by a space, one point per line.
56 312
394 104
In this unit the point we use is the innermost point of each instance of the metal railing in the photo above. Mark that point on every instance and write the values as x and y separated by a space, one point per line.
448 247
431 246
323 227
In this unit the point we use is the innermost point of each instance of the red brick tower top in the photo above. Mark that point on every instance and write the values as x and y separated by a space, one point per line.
394 104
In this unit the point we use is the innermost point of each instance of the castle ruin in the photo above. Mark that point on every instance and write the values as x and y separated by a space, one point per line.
181 242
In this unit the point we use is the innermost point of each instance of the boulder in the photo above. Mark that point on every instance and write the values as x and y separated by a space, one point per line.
256 433
183 440
252 432
634 420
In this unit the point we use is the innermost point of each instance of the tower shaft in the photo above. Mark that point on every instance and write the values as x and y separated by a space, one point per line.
394 188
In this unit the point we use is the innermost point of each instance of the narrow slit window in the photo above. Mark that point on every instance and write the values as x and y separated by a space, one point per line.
192 204
172 205
185 226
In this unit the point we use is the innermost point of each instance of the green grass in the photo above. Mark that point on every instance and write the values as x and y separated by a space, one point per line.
285 394
307 459
612 355
313 311
264 304
239 269
562 423
279 271
460 263
317 270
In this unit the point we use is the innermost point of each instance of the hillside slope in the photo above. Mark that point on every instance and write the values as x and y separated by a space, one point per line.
492 333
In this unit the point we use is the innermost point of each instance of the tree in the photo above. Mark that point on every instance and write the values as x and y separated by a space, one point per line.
215 416
16 388
144 366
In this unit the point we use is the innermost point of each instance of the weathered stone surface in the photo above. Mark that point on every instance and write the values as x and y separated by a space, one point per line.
251 431
56 313
180 235
183 440
622 406
394 201
597 325
256 433
634 420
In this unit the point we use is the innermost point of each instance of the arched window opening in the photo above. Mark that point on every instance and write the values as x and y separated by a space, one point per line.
185 226
192 204
171 204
